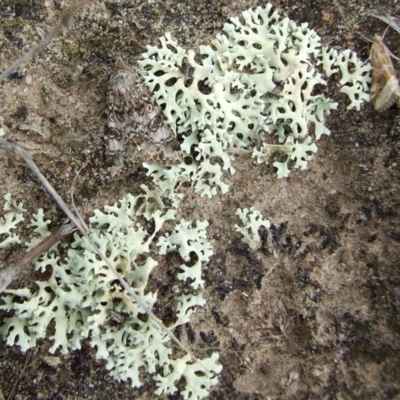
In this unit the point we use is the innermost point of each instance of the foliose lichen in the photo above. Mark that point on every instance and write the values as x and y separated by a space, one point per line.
261 81
82 297
252 221
13 214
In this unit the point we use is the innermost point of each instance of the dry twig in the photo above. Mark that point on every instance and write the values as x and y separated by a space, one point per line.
64 23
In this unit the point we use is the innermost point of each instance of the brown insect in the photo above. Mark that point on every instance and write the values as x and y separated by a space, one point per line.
137 129
385 89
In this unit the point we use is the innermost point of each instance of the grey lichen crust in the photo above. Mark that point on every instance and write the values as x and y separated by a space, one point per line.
82 298
259 82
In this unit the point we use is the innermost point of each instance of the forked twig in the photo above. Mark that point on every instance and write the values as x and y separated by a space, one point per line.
63 23
27 364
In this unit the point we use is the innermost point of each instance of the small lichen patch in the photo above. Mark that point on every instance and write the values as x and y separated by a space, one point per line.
13 214
252 220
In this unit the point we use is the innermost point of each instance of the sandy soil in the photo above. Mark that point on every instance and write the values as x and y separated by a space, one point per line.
313 314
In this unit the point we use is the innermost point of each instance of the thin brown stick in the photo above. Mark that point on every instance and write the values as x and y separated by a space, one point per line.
8 274
64 23
27 364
